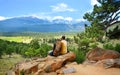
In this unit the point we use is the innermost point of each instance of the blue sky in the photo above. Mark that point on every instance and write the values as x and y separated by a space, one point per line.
64 9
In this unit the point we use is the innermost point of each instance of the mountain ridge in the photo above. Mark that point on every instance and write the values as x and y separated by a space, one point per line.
22 24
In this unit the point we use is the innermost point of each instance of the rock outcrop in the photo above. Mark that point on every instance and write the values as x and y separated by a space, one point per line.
102 57
97 60
44 65
97 54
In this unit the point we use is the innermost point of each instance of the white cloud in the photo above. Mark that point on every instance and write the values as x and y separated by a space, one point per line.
58 17
79 20
51 18
2 18
61 17
39 16
93 2
62 7
69 19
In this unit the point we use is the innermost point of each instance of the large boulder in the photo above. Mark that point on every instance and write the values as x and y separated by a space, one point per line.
97 54
60 61
43 65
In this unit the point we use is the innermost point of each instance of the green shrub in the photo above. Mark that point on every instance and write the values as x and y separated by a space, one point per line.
80 55
117 47
30 52
93 45
43 50
110 46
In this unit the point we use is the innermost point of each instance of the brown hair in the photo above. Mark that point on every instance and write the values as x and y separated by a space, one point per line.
63 37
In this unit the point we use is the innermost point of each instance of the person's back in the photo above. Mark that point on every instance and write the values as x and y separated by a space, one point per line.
60 47
63 46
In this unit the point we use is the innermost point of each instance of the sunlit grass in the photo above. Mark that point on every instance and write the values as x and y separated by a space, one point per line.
6 63
16 38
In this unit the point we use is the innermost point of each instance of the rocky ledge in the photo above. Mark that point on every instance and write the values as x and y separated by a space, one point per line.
98 62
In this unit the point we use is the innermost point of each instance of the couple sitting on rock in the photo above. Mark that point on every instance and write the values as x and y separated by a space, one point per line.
60 47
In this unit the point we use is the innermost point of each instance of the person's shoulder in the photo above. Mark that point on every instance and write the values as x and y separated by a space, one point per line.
63 41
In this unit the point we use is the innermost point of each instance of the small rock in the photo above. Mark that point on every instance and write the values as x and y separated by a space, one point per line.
69 70
108 63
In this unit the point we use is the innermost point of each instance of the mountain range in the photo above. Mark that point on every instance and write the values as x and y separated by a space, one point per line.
34 24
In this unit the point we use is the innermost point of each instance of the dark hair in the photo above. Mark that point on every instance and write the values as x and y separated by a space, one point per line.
63 37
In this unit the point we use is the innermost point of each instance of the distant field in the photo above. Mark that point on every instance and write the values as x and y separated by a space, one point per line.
37 34
24 39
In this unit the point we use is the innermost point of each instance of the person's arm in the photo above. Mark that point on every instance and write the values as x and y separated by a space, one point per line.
54 47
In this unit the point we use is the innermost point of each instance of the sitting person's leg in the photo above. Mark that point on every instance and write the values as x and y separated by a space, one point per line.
50 53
